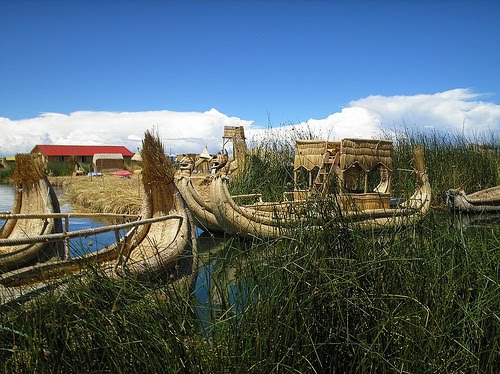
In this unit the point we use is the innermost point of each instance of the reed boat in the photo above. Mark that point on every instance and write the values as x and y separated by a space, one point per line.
197 201
196 173
484 201
161 243
353 179
33 194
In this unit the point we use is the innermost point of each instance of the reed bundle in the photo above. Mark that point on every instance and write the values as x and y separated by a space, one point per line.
29 169
157 173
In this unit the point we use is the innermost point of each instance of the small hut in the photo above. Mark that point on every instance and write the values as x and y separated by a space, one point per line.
203 162
107 162
137 156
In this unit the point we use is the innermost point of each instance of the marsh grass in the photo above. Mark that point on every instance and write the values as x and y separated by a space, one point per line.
58 169
424 298
452 161
99 325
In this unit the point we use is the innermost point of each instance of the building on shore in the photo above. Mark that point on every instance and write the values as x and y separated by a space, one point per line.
82 154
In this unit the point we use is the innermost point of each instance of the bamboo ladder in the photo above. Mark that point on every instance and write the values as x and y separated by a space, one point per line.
326 174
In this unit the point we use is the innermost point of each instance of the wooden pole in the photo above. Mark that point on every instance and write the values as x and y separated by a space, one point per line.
67 254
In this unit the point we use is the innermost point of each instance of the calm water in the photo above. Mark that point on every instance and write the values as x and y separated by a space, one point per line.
207 246
78 246
6 197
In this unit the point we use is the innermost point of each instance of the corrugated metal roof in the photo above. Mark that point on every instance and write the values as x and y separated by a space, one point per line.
81 150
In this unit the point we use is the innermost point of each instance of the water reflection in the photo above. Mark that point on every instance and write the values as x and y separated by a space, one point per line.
216 280
91 243
484 220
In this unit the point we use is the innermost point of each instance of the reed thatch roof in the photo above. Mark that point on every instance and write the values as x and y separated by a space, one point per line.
366 153
309 153
205 154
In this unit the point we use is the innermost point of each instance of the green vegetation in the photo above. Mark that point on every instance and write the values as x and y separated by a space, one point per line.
452 161
6 174
425 298
59 169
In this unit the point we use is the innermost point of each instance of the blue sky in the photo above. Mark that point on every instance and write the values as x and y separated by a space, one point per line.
259 61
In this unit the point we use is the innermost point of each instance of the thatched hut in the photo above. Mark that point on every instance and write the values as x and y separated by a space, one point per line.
107 162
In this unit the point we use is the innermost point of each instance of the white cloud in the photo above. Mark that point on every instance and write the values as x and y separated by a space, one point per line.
192 131
449 110
453 110
180 131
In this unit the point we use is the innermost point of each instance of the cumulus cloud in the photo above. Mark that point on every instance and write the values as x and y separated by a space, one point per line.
454 110
180 131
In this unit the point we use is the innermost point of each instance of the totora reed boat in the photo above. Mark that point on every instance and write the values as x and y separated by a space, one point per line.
33 195
196 173
484 201
161 244
353 179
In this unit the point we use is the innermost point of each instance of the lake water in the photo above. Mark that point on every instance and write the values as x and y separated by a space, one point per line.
6 197
78 246
207 246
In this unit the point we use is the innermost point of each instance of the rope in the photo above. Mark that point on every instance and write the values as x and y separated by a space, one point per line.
7 215
79 233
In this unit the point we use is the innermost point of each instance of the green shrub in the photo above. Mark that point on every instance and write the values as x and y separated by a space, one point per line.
59 169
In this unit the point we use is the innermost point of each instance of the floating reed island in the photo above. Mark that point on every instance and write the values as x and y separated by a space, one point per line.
327 298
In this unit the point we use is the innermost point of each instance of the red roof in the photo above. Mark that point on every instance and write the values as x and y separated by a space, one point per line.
80 150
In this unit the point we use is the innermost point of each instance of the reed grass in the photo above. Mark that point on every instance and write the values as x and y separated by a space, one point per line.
452 161
334 299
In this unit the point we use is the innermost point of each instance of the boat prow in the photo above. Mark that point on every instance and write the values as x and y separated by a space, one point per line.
197 202
33 194
484 201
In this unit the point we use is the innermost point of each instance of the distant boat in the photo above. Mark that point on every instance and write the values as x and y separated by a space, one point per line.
487 200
